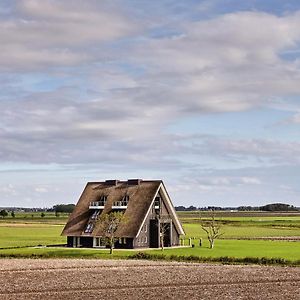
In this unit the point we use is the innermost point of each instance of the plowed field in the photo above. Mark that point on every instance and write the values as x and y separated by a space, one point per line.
112 279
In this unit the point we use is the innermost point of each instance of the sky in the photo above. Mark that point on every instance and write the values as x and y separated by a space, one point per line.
204 95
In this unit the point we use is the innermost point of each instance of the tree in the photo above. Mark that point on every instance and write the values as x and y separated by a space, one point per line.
12 214
42 215
3 213
110 223
212 229
164 227
278 207
63 208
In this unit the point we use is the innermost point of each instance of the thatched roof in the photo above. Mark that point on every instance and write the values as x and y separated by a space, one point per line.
141 194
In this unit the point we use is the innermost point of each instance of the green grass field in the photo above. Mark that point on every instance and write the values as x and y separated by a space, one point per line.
19 235
25 230
242 248
238 231
232 248
35 217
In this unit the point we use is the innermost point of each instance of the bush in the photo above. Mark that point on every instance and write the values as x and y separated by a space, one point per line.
222 259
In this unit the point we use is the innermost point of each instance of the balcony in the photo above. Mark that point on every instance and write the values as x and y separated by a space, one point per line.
97 205
119 205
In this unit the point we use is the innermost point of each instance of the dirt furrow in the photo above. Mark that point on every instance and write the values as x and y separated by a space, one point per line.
78 279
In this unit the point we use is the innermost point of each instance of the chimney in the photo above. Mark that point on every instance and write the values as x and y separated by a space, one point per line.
134 181
112 182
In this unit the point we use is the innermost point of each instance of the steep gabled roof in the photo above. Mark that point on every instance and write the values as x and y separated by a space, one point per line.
170 208
141 195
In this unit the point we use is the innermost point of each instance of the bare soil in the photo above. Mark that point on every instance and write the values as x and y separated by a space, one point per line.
113 279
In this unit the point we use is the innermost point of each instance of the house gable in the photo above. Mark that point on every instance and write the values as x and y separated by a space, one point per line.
167 208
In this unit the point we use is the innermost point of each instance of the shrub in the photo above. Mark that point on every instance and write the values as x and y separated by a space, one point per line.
222 259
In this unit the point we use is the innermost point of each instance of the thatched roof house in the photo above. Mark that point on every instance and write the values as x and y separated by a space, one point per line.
147 210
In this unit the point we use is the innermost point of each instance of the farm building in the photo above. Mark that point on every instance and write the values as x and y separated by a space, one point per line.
148 210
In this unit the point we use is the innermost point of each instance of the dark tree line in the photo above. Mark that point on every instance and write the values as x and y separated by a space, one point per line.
268 207
63 208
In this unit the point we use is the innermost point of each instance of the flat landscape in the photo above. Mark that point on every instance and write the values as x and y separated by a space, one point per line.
129 279
246 234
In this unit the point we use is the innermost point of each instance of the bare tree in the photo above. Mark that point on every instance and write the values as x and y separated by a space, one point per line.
164 227
212 229
110 224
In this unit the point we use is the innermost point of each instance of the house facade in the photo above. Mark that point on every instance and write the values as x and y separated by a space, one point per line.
148 210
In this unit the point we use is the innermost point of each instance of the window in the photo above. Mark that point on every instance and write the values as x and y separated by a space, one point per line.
102 200
125 200
145 228
157 203
95 214
99 242
89 228
145 240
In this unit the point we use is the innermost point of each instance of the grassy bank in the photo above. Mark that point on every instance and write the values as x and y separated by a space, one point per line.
289 251
226 251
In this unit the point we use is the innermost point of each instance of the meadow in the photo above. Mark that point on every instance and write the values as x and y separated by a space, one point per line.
242 237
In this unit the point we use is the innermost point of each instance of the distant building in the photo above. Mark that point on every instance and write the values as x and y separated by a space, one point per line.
147 209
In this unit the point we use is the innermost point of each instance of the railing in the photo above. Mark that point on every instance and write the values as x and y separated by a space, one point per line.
97 205
119 205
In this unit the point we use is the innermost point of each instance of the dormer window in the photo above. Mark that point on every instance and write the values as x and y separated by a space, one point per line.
99 204
103 199
125 200
157 202
122 204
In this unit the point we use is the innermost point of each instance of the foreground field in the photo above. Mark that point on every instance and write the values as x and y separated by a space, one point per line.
98 279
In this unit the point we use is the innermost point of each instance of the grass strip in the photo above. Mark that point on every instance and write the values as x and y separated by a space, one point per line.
222 259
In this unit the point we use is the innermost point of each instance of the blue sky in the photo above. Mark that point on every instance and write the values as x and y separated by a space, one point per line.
201 94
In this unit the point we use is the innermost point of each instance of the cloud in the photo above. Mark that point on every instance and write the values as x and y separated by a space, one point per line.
267 151
116 109
250 180
232 62
58 33
40 189
8 190
295 119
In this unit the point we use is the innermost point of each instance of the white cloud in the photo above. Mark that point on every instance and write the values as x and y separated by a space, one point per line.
250 180
295 119
58 33
8 190
229 63
40 189
112 108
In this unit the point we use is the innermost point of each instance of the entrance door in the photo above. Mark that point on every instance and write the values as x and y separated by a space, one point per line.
166 227
154 234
